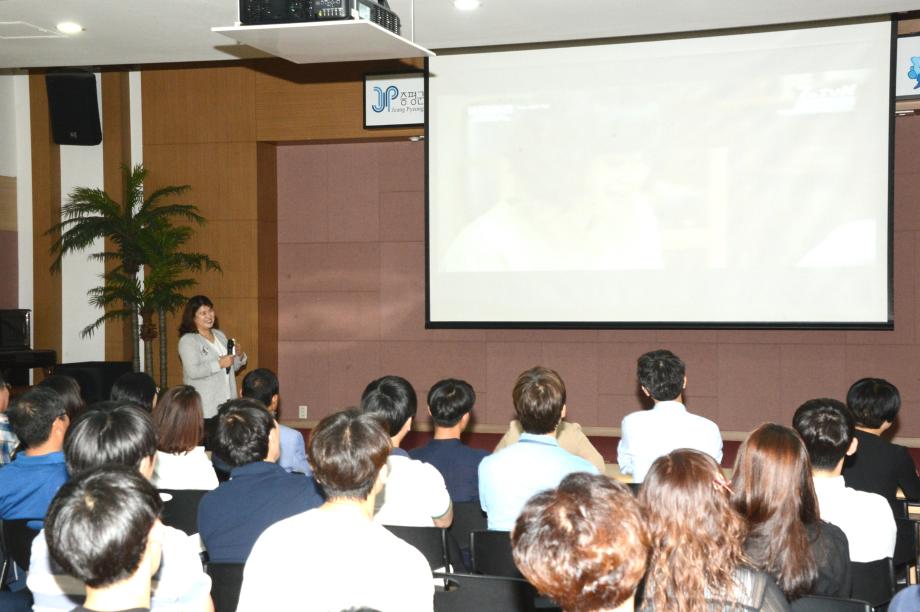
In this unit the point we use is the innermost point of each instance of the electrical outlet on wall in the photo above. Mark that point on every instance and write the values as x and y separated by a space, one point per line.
302 412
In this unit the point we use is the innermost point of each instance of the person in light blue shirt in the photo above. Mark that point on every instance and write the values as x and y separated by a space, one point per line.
262 385
536 462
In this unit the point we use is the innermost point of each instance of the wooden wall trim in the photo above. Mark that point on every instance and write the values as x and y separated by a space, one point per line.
116 152
8 221
46 210
267 252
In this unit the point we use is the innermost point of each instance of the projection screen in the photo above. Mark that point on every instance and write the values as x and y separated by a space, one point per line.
739 180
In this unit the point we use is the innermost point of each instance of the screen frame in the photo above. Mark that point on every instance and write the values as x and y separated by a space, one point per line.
689 325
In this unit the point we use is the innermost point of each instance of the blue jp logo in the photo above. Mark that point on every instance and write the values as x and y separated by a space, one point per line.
384 98
914 72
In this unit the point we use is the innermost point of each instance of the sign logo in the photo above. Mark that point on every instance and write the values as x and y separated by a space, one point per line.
914 73
384 97
394 99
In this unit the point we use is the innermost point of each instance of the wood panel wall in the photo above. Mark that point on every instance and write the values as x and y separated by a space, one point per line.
9 244
214 127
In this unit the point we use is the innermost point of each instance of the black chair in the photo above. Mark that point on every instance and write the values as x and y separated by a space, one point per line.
430 541
815 603
466 592
906 548
226 580
491 554
17 540
873 581
181 509
468 517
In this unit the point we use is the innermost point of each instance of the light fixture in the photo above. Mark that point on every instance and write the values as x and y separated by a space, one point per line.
466 5
69 27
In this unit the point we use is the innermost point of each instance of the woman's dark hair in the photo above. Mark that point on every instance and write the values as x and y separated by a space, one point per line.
69 390
695 532
98 524
137 387
872 401
774 491
243 428
347 451
584 543
179 420
187 326
122 435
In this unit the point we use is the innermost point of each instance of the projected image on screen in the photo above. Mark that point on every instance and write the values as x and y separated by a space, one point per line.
739 179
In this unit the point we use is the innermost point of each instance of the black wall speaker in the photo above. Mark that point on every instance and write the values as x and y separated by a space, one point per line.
74 108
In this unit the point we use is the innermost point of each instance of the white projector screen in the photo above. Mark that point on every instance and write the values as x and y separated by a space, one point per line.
726 181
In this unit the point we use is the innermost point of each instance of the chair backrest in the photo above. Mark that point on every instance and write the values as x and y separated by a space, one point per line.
491 554
468 517
17 540
181 509
465 592
226 580
814 603
905 546
430 541
873 581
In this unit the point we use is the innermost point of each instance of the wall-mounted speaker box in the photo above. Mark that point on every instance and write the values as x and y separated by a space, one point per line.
15 329
74 108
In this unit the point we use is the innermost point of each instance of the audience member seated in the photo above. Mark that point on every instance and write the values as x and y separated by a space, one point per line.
137 387
880 466
259 493
181 460
773 490
649 434
262 385
8 440
508 478
415 493
30 481
121 436
350 561
450 402
907 600
69 390
102 528
697 561
584 544
826 427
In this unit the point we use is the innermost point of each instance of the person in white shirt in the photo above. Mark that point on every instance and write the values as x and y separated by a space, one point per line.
415 494
648 434
827 427
335 557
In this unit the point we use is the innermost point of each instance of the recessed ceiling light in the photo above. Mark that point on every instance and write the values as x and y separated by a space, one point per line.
69 27
466 5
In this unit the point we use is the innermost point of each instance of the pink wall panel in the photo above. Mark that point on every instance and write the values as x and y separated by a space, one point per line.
351 308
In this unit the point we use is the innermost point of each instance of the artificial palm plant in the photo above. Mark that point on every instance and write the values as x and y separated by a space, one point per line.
144 235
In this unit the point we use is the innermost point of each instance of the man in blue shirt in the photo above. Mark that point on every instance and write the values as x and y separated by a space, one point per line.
536 462
28 484
449 403
259 493
262 385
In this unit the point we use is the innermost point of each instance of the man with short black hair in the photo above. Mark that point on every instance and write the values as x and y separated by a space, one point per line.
880 466
450 403
103 528
30 481
415 493
262 384
123 435
137 387
353 562
826 427
509 477
8 440
646 435
259 493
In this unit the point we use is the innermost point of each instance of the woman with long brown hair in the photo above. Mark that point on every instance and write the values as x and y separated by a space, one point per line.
773 490
181 460
697 562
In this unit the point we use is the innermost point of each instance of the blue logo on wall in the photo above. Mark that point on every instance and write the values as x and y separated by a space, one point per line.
385 97
914 72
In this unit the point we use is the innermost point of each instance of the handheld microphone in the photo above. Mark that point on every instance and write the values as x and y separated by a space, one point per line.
230 343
